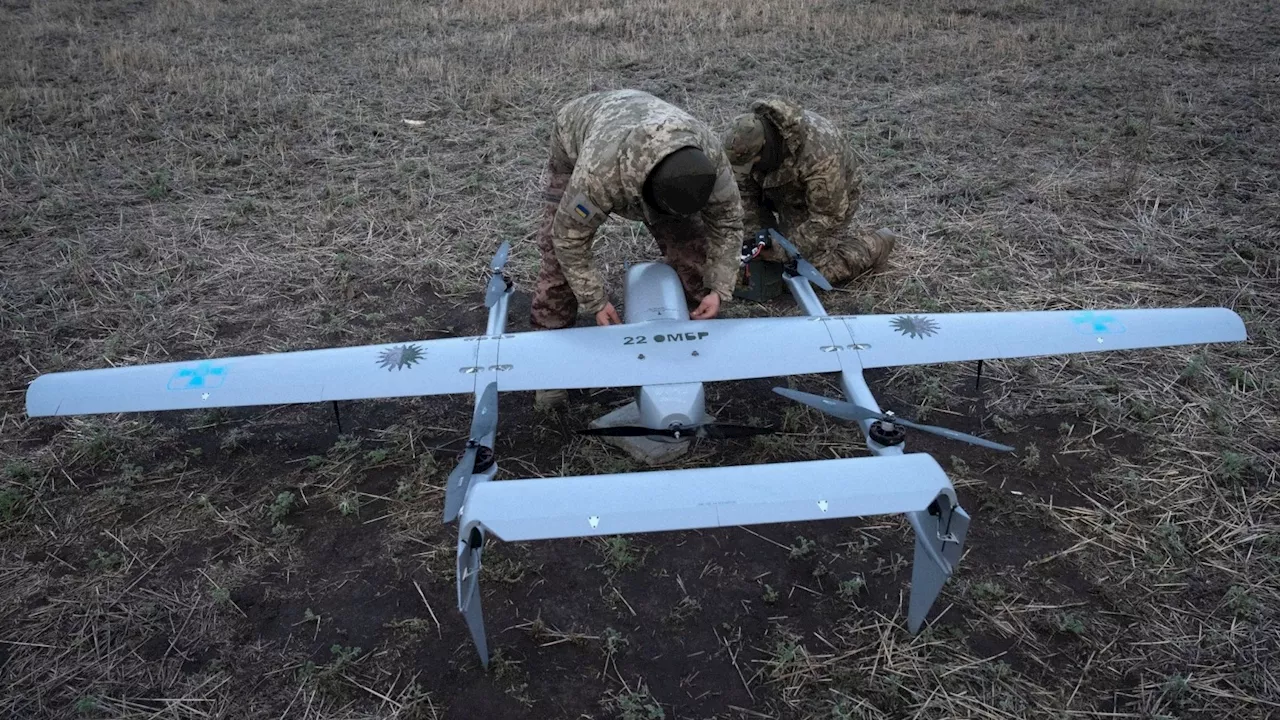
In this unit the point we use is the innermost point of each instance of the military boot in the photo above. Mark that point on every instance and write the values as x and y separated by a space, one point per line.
879 245
549 400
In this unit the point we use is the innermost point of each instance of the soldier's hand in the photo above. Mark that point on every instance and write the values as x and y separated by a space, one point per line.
708 308
608 316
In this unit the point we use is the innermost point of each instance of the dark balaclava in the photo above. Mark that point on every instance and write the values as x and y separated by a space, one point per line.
681 183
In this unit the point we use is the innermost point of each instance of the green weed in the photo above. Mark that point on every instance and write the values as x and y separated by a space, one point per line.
106 561
987 591
12 503
1241 602
636 705
803 548
770 596
618 554
284 503
850 589
1069 624
349 504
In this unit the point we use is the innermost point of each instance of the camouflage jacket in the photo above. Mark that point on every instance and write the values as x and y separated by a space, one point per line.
815 190
610 141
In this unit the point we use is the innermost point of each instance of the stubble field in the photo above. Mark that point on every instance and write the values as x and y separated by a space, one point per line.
184 179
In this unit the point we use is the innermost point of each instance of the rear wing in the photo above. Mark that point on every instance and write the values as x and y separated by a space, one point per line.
667 500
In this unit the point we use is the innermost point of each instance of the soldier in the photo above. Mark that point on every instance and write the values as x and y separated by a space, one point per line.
627 153
797 175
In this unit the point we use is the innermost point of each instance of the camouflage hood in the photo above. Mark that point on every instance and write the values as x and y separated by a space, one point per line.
616 138
647 145
745 137
787 117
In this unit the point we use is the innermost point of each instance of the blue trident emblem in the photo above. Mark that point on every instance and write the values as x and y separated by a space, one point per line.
1091 323
203 376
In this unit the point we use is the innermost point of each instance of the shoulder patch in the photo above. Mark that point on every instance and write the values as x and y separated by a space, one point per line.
582 208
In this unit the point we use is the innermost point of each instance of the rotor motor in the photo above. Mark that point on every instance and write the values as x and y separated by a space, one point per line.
886 433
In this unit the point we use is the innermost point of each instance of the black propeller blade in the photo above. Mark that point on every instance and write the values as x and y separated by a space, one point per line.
712 431
804 267
848 411
483 422
498 280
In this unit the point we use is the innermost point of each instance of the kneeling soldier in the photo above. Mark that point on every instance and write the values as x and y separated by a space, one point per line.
797 175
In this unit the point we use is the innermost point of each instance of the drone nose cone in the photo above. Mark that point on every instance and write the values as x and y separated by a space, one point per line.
653 292
662 406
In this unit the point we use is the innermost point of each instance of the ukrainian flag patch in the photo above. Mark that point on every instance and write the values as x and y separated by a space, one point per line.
583 208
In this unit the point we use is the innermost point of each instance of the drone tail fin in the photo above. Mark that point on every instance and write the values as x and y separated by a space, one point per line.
939 544
470 547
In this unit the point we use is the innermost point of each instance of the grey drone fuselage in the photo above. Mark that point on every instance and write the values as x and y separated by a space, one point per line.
653 294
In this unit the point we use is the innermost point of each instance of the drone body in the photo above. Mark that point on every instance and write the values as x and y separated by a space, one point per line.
669 358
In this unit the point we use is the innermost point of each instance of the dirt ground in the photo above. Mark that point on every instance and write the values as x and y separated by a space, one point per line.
182 179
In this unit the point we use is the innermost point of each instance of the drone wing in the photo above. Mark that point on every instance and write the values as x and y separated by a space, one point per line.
429 367
892 340
652 353
617 356
656 353
664 500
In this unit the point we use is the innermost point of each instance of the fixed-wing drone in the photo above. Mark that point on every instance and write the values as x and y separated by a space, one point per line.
668 357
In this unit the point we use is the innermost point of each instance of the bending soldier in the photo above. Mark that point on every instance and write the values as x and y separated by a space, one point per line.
627 153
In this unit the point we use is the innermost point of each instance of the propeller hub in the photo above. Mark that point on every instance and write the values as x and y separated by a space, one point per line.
484 459
886 433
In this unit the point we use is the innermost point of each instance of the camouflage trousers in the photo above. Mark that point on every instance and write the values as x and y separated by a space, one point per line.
851 253
843 255
682 242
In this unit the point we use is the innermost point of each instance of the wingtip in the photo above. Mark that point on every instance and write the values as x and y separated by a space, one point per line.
1241 333
38 402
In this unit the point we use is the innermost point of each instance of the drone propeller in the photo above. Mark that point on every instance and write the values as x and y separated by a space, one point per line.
848 411
498 280
712 431
803 267
483 423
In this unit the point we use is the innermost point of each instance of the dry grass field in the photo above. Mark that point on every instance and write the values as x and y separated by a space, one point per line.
191 178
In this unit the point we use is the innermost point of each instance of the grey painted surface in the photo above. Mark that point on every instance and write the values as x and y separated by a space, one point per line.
666 351
917 339
276 379
653 292
649 353
662 500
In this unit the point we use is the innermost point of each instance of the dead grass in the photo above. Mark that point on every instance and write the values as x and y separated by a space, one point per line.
180 179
